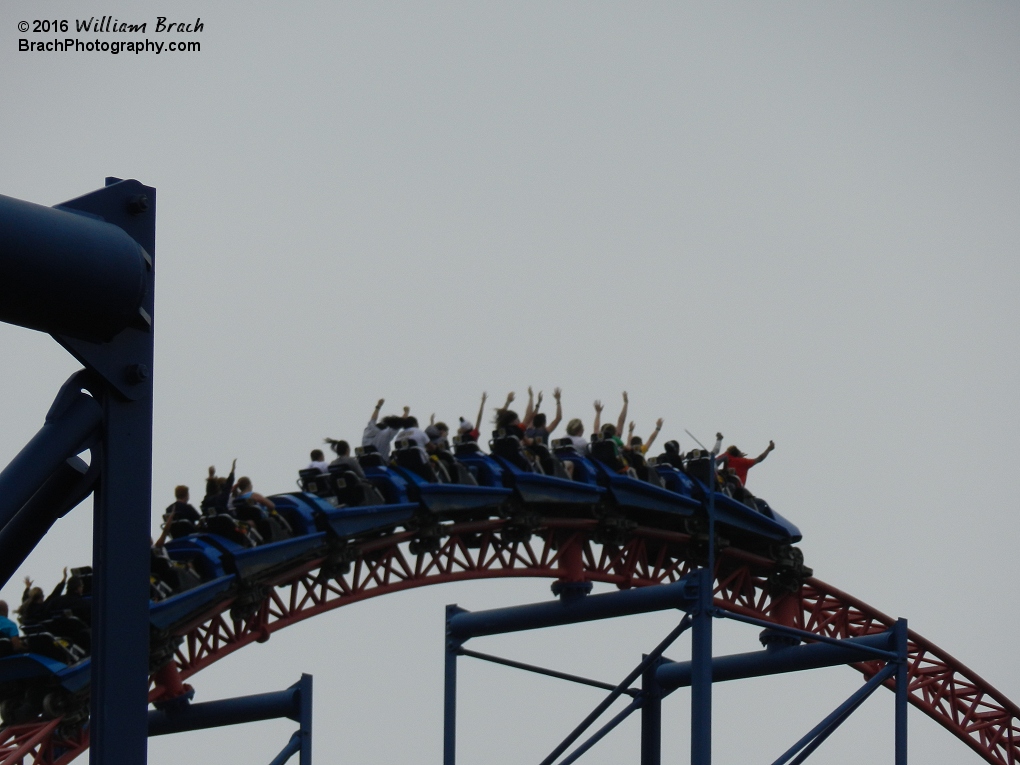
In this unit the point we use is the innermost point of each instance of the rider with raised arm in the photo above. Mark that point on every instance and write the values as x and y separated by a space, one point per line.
243 492
379 434
539 428
636 444
468 431
735 460
217 490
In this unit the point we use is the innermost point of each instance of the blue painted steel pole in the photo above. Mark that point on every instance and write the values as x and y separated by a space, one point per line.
84 273
701 673
293 746
68 486
71 423
651 716
304 688
123 499
634 674
672 675
452 645
813 738
79 275
902 690
468 624
243 709
602 732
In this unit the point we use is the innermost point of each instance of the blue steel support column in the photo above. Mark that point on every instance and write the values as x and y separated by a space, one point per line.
451 644
651 716
120 560
902 680
701 673
83 271
121 525
305 731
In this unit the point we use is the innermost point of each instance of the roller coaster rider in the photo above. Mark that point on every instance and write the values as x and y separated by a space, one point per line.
378 437
253 508
575 432
318 461
467 431
539 429
344 460
34 605
73 600
8 629
181 510
243 494
217 491
734 465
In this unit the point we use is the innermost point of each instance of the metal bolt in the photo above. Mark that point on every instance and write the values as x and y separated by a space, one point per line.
138 204
137 373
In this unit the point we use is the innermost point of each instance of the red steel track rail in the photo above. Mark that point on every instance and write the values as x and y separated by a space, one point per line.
939 685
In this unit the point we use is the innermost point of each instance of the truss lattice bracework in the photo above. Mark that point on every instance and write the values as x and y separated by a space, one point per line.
940 686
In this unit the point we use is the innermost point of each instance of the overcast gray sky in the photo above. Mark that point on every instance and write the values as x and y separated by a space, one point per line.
792 221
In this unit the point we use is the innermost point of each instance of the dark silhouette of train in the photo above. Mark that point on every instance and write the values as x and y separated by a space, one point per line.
225 556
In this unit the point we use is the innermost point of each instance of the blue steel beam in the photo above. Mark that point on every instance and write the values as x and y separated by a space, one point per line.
651 715
900 637
804 635
293 746
603 731
647 662
674 675
543 671
72 422
813 739
450 690
66 273
291 703
701 675
463 625
70 484
122 367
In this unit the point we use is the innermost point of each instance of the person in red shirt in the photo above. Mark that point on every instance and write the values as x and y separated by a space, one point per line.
736 460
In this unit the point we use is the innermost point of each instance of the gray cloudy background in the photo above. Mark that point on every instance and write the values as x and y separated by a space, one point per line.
794 221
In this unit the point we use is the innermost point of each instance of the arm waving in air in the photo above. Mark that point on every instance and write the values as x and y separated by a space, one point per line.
622 419
559 411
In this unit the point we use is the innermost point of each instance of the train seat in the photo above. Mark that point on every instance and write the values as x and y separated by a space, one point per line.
314 482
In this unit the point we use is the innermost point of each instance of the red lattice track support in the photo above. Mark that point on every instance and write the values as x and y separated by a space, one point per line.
939 685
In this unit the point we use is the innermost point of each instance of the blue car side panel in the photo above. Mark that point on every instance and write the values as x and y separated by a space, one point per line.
351 521
166 613
547 489
299 510
26 665
792 530
447 498
208 557
255 560
729 512
392 485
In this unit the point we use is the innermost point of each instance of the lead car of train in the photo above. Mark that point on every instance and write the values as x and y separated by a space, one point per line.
218 562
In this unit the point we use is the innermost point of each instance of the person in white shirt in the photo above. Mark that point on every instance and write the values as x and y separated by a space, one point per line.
379 434
318 461
412 432
575 432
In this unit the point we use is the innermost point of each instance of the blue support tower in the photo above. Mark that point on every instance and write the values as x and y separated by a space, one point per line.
84 272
